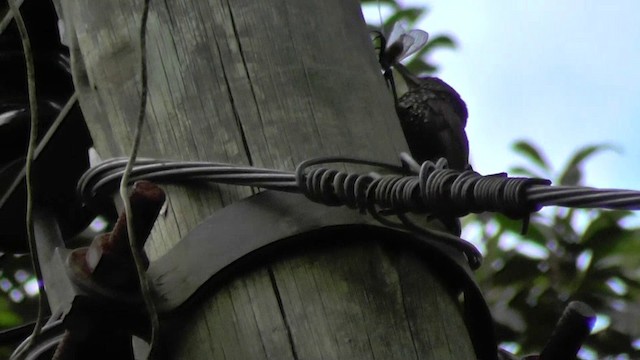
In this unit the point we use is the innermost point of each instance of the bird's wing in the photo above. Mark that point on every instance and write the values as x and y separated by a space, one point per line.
452 138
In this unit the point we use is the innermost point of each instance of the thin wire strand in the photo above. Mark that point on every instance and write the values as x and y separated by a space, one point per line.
62 115
145 287
33 138
6 20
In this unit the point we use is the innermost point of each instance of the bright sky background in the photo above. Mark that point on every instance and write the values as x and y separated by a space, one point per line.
563 74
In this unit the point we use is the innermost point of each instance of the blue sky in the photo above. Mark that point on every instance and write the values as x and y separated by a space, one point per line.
562 74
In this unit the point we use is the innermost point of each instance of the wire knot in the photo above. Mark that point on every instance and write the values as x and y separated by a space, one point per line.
432 189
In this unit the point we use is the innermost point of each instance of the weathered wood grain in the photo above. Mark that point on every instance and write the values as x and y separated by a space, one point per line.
362 302
268 83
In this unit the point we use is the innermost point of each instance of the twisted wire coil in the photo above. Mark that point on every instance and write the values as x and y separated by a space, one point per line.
428 188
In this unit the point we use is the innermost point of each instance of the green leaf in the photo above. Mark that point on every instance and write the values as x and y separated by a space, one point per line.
598 235
572 173
571 176
410 15
507 223
532 153
517 269
8 318
419 66
537 233
438 41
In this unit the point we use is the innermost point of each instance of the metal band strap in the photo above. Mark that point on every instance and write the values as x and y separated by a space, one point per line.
254 226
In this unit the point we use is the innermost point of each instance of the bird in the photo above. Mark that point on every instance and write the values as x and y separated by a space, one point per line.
432 114
433 118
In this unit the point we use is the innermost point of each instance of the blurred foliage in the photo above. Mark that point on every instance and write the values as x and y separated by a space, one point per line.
16 305
567 254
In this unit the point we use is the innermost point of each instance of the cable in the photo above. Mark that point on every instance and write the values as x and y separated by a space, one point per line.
44 141
6 20
145 287
51 335
33 136
428 188
16 333
101 180
585 197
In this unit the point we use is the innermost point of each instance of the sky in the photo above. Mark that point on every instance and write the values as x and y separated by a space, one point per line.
560 74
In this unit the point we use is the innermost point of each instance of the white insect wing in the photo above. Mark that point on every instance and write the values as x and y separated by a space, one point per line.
397 31
412 42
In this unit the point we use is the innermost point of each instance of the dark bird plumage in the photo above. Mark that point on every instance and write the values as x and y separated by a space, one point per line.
433 118
432 114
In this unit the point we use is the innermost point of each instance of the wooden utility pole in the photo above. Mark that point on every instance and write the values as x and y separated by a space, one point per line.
264 83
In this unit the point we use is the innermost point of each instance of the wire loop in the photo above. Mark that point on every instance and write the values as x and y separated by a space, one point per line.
427 188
